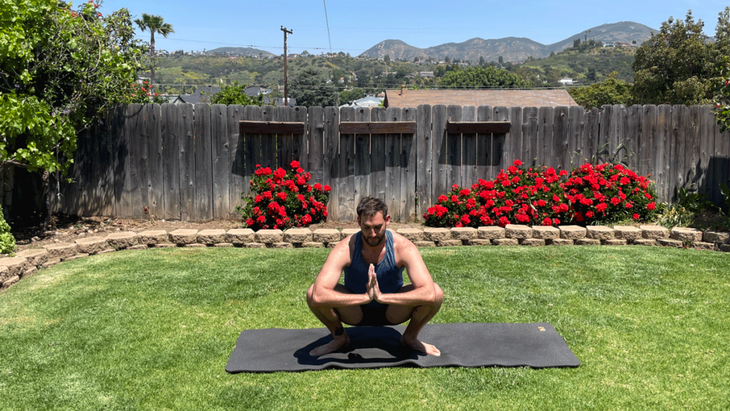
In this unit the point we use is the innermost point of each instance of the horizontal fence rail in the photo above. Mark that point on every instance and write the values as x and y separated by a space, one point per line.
193 162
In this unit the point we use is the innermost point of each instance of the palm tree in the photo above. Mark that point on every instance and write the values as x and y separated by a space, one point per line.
156 24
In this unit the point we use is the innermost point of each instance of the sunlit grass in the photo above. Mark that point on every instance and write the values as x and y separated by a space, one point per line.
154 329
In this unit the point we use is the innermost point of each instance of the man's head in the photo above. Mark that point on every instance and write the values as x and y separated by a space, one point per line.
369 206
373 218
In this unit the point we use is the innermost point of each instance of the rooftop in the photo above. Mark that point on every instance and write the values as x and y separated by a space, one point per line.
505 98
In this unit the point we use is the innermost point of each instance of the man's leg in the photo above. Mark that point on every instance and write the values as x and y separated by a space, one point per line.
333 318
418 317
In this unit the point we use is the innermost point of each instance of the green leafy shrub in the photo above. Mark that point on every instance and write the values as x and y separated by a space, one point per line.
236 94
7 241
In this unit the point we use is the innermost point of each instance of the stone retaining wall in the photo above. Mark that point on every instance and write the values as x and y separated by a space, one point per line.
27 262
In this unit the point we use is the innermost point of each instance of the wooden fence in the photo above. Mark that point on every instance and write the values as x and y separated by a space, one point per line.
193 162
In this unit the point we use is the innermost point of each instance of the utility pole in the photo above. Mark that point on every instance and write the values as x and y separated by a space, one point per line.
286 83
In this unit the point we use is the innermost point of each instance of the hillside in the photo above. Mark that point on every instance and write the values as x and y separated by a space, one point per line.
514 49
242 51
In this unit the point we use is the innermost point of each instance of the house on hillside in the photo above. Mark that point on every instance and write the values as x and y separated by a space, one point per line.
494 98
201 95
255 91
368 101
566 81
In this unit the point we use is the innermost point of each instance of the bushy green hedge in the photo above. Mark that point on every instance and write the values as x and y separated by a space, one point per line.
7 241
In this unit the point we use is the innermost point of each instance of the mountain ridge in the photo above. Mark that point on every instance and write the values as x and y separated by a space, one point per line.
514 49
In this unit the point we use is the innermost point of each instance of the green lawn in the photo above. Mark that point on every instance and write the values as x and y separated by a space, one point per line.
154 329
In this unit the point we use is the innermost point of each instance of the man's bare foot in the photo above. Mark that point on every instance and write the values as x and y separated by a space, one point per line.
332 346
420 346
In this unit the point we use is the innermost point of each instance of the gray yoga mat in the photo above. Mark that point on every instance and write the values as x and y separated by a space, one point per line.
535 345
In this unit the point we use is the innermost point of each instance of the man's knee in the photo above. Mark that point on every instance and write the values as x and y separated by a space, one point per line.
310 296
439 297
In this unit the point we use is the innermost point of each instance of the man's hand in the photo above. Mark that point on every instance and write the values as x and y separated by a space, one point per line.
373 290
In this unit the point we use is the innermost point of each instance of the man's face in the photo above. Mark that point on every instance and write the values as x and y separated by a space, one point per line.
373 228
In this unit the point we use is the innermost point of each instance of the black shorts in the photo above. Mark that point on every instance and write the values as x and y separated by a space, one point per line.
374 316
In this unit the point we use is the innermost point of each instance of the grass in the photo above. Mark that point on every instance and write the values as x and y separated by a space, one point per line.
154 329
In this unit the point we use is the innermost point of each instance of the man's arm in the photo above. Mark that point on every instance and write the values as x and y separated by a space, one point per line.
423 292
324 292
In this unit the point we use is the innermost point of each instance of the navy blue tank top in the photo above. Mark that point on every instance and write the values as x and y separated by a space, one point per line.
390 277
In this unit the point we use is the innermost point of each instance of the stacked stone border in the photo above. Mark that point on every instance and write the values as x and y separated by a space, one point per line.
27 262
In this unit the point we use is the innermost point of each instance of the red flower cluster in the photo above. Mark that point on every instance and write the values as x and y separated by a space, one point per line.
609 192
282 199
539 197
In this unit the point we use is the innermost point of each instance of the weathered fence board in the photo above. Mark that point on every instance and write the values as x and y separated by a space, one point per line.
315 143
648 140
330 161
362 173
453 148
193 163
423 160
203 163
238 184
513 146
439 165
155 185
170 130
221 161
633 136
393 165
662 151
377 155
408 169
186 152
469 147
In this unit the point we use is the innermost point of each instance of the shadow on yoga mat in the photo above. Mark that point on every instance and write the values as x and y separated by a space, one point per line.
535 345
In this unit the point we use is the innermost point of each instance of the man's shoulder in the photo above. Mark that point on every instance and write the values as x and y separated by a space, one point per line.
346 245
401 243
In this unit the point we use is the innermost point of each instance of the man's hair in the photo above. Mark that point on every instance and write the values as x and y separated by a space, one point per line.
369 206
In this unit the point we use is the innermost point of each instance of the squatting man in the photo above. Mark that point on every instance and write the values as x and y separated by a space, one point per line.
373 293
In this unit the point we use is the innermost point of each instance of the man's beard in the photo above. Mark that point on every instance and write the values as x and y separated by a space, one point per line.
375 241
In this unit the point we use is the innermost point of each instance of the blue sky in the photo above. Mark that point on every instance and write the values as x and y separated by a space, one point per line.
355 26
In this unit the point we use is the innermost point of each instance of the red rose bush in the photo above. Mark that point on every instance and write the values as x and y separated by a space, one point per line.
283 199
541 196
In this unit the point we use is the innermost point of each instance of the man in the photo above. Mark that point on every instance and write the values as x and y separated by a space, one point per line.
373 294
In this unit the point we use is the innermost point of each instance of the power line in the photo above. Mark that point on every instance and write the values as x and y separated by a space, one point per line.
328 24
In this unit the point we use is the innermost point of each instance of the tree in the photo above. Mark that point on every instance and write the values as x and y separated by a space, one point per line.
611 91
677 64
481 77
311 87
722 100
235 94
60 70
155 24
348 96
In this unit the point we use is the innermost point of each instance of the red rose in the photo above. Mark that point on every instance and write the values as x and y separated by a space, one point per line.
294 164
635 216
